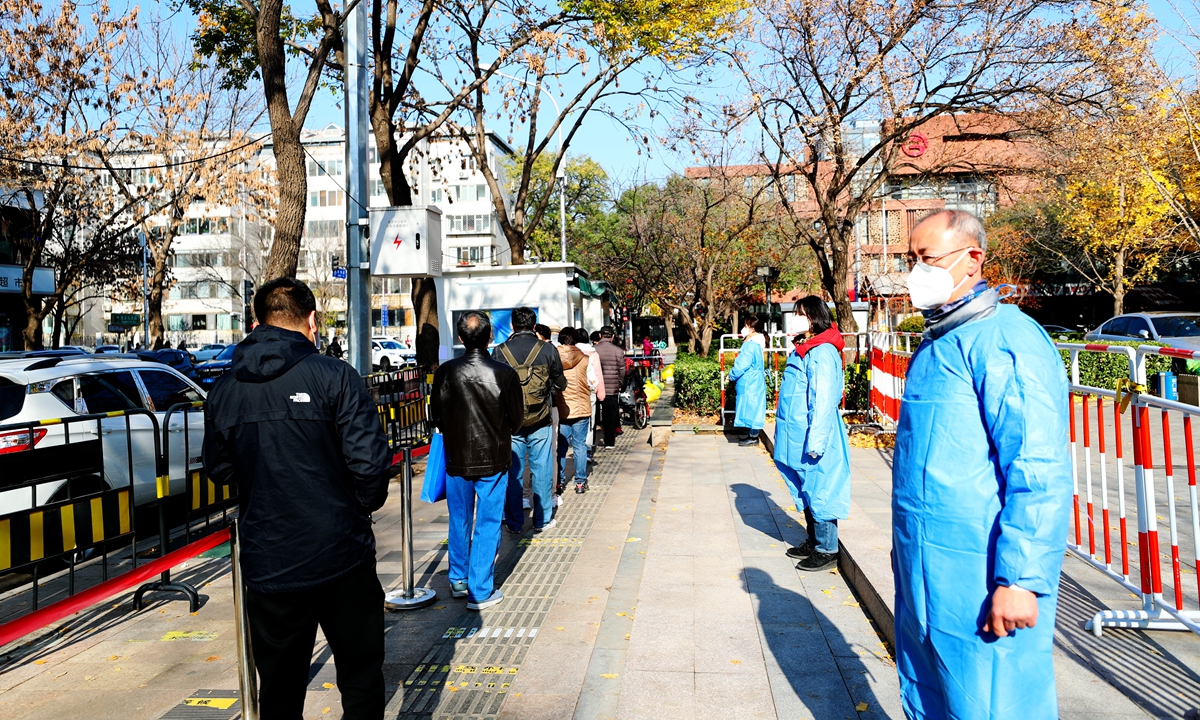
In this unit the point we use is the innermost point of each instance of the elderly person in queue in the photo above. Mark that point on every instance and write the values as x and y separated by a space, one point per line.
981 492
749 373
812 449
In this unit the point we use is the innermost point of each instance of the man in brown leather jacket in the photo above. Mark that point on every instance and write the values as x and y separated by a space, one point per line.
477 404
575 405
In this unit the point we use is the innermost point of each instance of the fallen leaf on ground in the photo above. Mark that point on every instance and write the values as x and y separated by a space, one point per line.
736 662
861 707
561 627
325 711
327 686
212 658
609 676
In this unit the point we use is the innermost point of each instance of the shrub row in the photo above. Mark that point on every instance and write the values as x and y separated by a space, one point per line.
1102 370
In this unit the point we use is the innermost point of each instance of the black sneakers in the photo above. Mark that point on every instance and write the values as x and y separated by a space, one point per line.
802 551
747 441
818 561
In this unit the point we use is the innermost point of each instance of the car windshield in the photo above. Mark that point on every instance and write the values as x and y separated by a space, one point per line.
227 353
1178 326
390 345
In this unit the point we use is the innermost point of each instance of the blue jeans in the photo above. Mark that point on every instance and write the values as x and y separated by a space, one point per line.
539 446
575 432
473 553
822 532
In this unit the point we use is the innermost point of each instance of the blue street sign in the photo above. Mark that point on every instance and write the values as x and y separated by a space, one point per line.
339 273
384 316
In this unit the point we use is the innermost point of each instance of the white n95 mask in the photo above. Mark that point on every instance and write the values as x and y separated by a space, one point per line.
802 324
930 287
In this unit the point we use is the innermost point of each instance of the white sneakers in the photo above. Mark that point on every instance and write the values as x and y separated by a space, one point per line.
557 500
525 503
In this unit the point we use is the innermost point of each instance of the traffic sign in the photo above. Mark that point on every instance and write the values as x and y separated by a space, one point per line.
127 319
117 328
339 273
383 320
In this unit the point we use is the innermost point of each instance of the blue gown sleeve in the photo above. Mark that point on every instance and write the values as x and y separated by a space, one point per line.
742 363
1023 398
822 412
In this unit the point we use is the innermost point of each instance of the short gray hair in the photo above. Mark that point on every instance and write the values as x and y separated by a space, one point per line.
967 226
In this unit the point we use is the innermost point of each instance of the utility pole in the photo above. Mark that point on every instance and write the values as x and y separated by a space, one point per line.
358 267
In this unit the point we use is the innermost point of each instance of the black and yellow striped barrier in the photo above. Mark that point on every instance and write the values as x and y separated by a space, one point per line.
52 530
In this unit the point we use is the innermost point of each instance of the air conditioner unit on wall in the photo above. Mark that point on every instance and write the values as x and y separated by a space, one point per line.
406 241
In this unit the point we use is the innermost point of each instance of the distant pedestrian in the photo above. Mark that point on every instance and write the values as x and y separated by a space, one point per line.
540 372
647 346
612 362
335 348
749 373
575 405
477 403
981 497
583 344
300 435
812 449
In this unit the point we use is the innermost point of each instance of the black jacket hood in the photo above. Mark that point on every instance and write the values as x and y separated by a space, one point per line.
269 352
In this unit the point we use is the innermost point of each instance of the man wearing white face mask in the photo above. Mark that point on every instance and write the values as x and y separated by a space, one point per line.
981 490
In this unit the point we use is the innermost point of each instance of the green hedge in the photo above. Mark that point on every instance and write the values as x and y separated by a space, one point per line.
913 324
697 384
1102 370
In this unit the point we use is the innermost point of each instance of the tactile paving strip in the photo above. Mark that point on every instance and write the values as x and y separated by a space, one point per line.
466 675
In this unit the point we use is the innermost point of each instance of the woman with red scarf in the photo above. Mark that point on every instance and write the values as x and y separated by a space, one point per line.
812 449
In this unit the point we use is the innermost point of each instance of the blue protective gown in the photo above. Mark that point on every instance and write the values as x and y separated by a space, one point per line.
751 379
807 422
981 497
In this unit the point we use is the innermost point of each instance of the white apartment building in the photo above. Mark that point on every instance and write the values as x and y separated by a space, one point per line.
220 247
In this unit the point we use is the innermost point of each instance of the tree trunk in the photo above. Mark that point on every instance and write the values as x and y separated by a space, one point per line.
290 172
840 290
157 331
705 337
31 334
425 308
1119 282
56 339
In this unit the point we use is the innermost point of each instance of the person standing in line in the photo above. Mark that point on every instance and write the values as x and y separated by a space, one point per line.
584 345
612 363
812 447
300 435
574 405
540 372
981 492
477 404
750 374
544 334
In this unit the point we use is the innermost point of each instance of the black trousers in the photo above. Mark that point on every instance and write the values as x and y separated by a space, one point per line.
283 630
610 411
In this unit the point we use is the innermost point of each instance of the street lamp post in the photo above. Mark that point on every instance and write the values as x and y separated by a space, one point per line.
768 274
561 176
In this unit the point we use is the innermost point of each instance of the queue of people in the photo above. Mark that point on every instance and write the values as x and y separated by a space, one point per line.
981 477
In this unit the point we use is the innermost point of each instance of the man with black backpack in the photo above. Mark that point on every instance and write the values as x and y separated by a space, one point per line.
540 371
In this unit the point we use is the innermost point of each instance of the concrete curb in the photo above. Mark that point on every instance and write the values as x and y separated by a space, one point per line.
866 562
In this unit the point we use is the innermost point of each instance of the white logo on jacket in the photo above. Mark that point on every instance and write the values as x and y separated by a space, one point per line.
301 397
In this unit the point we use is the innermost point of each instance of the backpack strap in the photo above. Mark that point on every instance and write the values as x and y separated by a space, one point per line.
537 348
509 356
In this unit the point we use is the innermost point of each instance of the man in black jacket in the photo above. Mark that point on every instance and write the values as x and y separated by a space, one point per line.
612 360
477 404
300 435
540 369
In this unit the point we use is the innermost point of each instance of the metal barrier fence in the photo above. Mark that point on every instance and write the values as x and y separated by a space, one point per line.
774 362
68 490
1147 440
63 508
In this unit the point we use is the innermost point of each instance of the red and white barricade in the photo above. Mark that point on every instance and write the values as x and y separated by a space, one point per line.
890 353
1096 414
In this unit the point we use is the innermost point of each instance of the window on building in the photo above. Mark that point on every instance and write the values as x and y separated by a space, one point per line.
377 188
323 228
437 196
326 198
205 226
318 168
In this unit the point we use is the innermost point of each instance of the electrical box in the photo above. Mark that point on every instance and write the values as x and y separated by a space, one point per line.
406 241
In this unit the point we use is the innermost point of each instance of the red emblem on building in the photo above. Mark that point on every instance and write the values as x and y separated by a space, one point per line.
915 146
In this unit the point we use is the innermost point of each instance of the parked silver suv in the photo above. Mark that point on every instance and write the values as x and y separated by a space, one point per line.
1174 329
34 389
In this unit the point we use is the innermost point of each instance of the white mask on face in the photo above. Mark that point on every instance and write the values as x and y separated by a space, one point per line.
930 287
802 324
747 332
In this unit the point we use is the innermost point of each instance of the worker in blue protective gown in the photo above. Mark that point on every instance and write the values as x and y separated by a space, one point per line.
750 375
981 492
812 450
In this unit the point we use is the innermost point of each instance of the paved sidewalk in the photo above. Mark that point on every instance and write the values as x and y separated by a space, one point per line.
703 615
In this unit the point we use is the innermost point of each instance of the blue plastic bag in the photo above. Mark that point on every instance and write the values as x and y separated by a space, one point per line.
434 488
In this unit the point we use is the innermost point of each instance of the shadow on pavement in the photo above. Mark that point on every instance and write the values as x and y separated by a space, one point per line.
1143 670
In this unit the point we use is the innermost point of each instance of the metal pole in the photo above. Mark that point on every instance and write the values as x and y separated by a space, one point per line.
887 313
562 200
145 289
358 253
411 597
247 675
